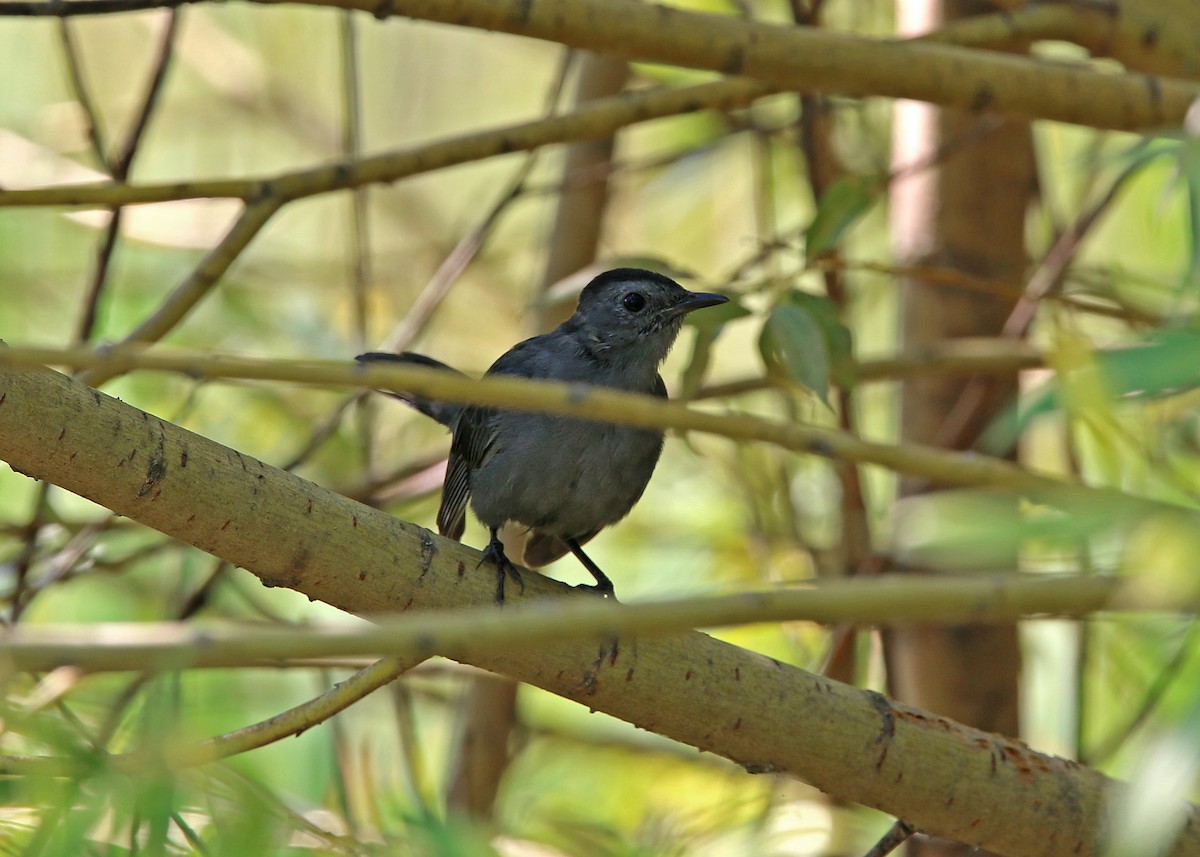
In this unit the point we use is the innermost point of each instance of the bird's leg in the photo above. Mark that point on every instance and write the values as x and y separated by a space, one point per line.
504 566
603 586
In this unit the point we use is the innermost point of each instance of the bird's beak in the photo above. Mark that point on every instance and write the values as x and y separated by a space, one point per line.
694 301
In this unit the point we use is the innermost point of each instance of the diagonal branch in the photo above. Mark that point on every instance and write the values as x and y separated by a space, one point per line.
600 118
939 776
198 283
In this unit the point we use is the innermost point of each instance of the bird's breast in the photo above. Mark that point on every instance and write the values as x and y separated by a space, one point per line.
568 477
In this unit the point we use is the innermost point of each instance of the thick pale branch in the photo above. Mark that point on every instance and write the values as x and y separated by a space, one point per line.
791 58
808 59
940 776
1158 37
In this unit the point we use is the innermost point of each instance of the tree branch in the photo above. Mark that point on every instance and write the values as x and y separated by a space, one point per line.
598 119
800 59
470 633
856 745
1157 37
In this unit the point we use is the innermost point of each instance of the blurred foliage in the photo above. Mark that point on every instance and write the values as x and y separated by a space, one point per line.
257 91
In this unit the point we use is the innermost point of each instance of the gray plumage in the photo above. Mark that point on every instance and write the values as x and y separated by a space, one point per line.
564 478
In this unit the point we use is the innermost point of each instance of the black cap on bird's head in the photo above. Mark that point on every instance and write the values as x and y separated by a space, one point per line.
628 305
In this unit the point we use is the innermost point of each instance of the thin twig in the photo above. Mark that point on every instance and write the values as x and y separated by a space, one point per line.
468 247
30 535
119 166
294 721
270 196
189 607
422 310
122 163
360 238
461 632
359 225
453 265
595 119
83 95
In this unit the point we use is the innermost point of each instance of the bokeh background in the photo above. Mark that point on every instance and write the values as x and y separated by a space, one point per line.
725 201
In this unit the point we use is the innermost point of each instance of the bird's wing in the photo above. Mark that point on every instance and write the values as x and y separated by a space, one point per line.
474 434
452 513
525 360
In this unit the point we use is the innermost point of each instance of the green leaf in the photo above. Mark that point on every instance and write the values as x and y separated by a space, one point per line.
843 204
793 340
1183 151
839 344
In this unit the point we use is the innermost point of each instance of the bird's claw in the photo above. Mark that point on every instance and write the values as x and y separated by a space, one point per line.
494 552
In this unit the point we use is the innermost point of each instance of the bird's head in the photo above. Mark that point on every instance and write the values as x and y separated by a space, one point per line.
631 315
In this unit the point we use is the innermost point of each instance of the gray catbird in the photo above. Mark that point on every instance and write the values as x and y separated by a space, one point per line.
564 478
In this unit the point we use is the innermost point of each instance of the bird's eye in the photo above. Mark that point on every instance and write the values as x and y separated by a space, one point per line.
634 301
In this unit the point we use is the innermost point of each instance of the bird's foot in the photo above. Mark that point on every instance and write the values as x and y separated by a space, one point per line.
603 586
604 590
504 567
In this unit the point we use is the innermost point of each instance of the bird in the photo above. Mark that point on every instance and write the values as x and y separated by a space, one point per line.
562 478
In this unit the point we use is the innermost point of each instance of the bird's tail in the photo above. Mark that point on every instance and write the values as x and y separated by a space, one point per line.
444 412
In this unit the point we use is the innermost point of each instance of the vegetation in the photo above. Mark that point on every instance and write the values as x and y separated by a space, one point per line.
930 479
